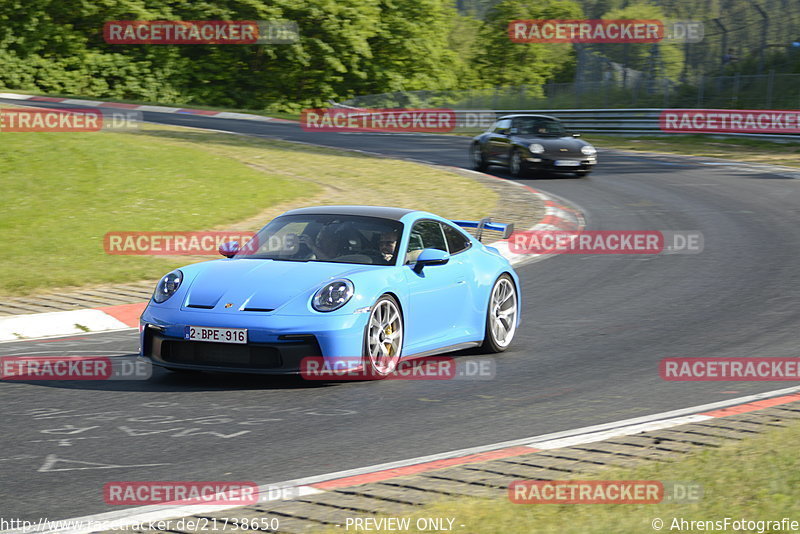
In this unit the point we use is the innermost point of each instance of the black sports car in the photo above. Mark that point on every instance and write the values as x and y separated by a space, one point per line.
532 143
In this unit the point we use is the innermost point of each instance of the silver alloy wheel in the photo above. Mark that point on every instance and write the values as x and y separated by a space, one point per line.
477 155
516 163
503 312
384 336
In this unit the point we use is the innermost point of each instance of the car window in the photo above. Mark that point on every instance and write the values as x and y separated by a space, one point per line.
456 241
539 126
328 238
424 234
502 125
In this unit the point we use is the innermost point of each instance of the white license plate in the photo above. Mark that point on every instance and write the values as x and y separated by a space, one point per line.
216 335
567 163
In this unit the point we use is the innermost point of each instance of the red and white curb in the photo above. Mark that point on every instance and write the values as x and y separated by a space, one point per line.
136 107
558 216
375 473
36 325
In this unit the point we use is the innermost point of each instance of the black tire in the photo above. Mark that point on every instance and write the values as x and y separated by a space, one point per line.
371 370
516 165
477 157
490 343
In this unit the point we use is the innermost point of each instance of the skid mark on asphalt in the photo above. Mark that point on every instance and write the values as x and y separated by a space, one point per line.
221 422
51 461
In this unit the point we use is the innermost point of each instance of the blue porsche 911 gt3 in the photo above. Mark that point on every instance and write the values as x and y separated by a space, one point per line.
374 283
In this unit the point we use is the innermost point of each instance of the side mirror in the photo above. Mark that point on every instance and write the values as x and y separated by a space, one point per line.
431 256
576 135
229 249
513 130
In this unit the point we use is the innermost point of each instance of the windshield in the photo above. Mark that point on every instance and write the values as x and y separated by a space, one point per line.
540 127
328 238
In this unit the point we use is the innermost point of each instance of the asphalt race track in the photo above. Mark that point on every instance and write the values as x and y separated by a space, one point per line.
594 329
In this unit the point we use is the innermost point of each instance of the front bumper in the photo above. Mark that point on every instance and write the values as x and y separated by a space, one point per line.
276 344
265 358
546 162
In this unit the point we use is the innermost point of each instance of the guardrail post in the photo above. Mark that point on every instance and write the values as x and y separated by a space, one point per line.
764 32
625 66
700 85
770 86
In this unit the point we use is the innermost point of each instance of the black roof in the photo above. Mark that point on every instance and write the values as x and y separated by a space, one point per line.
515 115
381 212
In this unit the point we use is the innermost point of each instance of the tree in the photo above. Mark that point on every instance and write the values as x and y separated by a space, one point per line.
502 62
663 59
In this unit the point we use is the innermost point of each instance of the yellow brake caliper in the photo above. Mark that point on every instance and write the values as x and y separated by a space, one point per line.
388 332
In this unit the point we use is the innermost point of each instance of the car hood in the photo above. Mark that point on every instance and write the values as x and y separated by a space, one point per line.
260 285
551 144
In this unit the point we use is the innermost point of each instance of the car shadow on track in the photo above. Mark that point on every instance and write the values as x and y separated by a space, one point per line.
163 380
502 172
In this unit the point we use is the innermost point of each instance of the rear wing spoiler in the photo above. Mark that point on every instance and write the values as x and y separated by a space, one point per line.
487 224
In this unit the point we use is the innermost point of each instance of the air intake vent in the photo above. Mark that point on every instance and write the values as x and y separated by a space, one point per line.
259 309
201 306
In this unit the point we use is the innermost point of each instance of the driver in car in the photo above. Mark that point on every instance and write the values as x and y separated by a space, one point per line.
388 245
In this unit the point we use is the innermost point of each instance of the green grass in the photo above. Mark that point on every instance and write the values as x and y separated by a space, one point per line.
63 191
752 150
756 479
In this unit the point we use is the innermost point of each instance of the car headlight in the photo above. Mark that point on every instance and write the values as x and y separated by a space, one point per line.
333 295
167 286
536 148
588 150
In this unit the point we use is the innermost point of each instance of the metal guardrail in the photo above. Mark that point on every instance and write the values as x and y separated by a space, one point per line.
627 121
636 121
